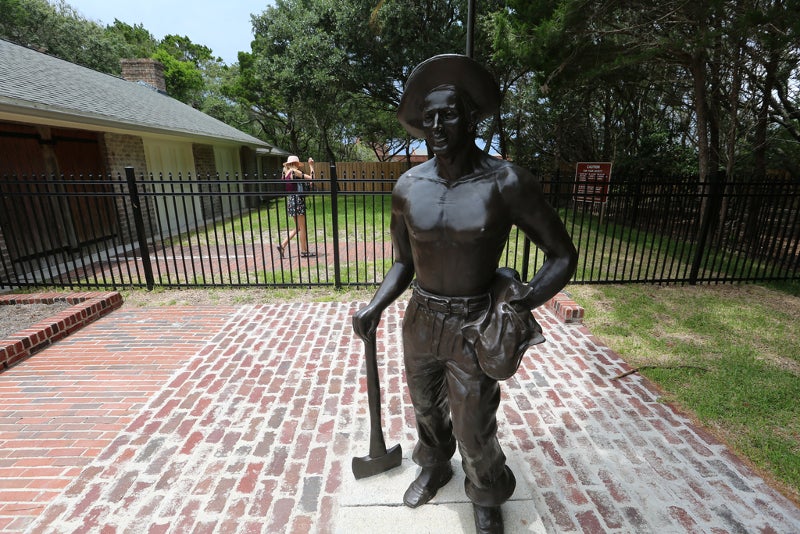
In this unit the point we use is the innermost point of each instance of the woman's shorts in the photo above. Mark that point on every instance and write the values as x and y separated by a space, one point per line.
296 205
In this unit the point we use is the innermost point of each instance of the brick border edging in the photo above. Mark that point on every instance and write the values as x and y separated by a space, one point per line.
87 307
567 310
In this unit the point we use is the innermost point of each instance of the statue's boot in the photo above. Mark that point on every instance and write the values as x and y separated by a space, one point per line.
427 483
488 519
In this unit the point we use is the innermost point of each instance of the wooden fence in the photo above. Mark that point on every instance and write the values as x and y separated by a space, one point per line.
363 176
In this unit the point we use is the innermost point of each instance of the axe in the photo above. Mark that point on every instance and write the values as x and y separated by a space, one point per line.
379 459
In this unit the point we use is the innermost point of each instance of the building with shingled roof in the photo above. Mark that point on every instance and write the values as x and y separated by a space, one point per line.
61 119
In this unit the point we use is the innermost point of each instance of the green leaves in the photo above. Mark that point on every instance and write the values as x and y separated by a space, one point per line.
134 41
59 30
184 80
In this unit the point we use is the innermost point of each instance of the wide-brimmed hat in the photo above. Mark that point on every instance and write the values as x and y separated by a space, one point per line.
462 72
291 159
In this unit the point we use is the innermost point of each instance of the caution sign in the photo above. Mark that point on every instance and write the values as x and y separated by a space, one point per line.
591 181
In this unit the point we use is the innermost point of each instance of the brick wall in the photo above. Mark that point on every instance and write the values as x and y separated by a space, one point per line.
566 309
121 151
204 162
206 167
86 308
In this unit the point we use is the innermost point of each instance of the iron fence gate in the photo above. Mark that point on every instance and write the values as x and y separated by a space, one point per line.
102 231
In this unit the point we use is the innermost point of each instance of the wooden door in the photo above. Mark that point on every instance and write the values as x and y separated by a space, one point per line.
32 222
81 164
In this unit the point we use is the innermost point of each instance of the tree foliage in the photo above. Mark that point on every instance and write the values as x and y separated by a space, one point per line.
353 56
138 41
672 86
183 80
59 30
661 82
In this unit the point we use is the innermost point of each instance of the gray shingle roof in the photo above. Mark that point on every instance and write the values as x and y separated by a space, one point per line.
35 83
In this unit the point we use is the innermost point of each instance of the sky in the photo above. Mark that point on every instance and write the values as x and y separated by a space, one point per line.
224 26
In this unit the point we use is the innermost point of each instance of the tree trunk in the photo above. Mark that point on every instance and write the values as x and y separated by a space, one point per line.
697 69
605 148
760 152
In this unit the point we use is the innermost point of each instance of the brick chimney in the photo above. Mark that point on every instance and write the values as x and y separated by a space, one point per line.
144 70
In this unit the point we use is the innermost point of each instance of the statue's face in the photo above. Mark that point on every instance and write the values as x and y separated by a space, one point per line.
445 121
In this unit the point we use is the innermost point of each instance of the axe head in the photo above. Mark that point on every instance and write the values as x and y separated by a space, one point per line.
366 466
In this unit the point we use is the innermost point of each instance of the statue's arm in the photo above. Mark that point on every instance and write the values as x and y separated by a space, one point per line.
397 280
541 223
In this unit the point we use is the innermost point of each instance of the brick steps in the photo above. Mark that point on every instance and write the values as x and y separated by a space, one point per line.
565 309
87 307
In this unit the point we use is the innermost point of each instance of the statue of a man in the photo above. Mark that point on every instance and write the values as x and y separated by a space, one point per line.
451 218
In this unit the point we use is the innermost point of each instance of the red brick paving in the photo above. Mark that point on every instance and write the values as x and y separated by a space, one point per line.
67 405
245 419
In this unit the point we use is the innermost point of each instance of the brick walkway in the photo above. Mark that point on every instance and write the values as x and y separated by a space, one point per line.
245 419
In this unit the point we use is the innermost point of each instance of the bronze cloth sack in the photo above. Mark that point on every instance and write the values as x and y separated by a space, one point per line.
504 332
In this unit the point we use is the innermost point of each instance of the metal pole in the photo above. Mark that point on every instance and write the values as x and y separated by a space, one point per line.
471 28
144 251
526 257
337 270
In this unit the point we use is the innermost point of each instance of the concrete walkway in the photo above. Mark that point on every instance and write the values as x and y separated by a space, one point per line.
236 419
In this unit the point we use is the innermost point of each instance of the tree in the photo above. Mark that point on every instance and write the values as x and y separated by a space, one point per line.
297 78
220 105
385 40
183 80
59 30
183 49
186 67
353 56
138 41
247 88
702 61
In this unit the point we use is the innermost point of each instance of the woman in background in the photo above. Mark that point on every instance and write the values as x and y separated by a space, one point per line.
296 203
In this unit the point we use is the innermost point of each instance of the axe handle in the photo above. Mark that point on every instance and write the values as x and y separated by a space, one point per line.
377 446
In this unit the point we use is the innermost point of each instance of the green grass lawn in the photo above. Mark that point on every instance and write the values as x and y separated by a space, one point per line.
729 354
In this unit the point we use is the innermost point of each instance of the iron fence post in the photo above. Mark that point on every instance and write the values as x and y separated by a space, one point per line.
555 190
708 215
526 253
470 48
144 250
337 269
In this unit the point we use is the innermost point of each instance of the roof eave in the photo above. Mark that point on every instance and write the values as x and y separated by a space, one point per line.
12 109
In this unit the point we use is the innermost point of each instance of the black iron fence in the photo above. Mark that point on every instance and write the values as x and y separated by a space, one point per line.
679 230
179 231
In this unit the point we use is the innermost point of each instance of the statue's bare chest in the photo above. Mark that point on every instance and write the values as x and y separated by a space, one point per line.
461 213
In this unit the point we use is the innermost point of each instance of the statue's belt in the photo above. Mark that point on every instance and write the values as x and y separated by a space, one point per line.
462 306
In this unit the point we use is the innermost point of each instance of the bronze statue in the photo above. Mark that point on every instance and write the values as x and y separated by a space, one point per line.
467 322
